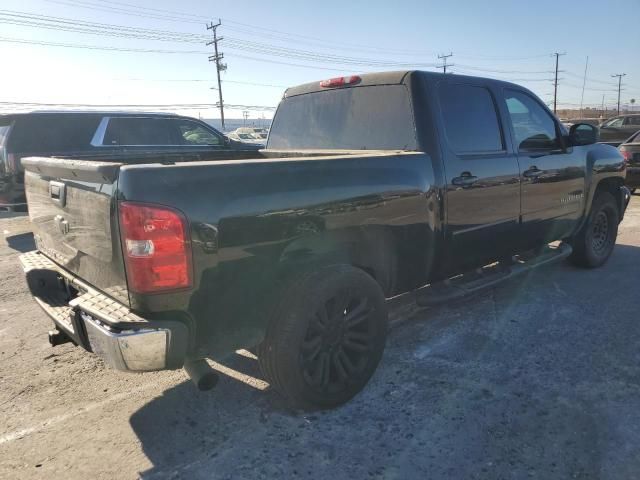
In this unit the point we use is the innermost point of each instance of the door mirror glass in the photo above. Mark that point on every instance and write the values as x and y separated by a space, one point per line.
583 134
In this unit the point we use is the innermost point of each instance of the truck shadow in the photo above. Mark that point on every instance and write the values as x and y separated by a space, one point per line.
185 426
489 381
22 243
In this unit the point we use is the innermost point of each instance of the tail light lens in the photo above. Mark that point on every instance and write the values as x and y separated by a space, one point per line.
157 251
626 154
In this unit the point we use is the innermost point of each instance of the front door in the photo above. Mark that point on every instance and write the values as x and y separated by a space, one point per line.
553 176
482 175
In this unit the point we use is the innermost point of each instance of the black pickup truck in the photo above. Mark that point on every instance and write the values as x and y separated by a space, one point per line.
370 186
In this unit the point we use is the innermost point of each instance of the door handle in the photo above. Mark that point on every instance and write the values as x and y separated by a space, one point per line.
533 172
464 180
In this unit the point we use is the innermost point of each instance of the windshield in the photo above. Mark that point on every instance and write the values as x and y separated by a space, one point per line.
360 118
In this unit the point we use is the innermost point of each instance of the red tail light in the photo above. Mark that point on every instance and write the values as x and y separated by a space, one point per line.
340 81
627 155
155 243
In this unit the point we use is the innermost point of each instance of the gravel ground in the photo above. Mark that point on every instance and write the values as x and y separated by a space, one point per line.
539 378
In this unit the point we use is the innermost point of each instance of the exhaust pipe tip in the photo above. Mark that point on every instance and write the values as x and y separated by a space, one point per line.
201 374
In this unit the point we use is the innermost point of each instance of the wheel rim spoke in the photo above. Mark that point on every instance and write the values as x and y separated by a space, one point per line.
358 315
337 362
326 370
349 367
356 341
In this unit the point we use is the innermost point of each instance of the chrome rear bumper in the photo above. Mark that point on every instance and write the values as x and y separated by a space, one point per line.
100 324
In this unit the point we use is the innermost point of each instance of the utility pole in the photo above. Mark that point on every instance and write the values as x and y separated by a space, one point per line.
584 82
220 67
444 62
555 83
619 76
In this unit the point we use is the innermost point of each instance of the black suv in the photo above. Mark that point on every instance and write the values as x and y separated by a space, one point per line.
100 135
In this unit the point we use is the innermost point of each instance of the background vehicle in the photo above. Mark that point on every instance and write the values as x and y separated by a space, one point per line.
591 121
248 138
617 129
630 150
371 186
99 133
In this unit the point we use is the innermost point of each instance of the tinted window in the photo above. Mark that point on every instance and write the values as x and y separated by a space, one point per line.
4 129
139 131
360 118
53 133
633 120
614 122
193 133
534 128
470 119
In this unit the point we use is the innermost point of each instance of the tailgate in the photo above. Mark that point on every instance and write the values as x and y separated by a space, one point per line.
71 207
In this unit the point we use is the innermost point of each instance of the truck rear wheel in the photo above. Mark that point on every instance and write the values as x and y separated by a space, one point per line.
326 337
595 241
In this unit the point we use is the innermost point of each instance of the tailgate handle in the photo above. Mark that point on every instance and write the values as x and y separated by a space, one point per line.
58 192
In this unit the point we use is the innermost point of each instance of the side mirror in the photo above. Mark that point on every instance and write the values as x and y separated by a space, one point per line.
583 134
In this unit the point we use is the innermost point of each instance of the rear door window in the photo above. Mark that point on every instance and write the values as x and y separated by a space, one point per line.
53 133
194 134
470 119
139 131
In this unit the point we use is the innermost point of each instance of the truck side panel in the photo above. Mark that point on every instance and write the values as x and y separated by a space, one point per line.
255 223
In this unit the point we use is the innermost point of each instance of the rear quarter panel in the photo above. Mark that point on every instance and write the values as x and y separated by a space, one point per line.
253 223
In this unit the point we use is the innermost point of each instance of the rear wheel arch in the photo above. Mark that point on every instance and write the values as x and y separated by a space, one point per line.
371 249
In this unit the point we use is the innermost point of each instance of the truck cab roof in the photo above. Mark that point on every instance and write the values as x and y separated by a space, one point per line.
384 78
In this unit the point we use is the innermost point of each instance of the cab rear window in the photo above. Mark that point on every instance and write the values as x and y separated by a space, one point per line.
360 118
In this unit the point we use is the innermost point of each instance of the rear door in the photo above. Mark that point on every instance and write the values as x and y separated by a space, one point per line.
553 177
631 125
482 174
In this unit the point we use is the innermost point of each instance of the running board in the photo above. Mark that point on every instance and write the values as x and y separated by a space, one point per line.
489 276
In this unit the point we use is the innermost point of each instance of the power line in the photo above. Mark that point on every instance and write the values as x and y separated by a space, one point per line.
115 105
99 47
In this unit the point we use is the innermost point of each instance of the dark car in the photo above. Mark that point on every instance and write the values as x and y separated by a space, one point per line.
616 130
630 150
99 133
370 186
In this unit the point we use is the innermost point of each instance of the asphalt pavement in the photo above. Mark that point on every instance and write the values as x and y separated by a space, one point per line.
538 378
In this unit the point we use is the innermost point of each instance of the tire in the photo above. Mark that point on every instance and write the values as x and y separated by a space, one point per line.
595 241
325 337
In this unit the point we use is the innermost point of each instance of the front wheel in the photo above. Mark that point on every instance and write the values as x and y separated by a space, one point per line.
326 338
595 241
